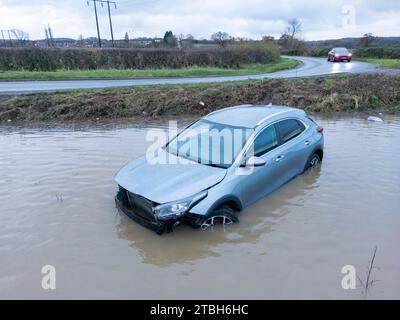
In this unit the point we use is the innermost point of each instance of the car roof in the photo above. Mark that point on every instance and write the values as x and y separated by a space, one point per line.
251 116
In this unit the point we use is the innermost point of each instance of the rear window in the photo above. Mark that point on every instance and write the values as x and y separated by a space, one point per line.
290 129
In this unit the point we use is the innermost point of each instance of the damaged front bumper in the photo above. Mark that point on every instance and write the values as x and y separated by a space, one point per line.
140 210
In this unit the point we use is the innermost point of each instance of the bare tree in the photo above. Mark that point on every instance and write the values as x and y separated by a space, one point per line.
367 40
268 39
293 28
80 41
186 41
180 39
222 38
290 36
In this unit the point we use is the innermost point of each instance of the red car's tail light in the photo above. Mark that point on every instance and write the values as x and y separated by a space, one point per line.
320 129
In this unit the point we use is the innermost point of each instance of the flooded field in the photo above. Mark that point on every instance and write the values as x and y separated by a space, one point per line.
57 208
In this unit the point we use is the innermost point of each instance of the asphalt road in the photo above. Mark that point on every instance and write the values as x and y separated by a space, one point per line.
309 67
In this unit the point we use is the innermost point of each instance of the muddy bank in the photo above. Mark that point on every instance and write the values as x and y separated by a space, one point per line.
320 94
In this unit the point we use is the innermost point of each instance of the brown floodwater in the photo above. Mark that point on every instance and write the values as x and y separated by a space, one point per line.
57 208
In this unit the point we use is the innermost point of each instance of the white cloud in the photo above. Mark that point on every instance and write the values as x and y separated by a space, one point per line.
251 18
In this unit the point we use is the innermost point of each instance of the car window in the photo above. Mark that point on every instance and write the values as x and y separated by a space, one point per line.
265 141
210 143
290 129
341 50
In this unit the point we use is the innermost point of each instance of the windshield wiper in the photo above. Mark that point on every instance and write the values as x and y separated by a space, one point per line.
214 165
182 155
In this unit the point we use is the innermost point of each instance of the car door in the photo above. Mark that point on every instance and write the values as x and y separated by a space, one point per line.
295 142
264 179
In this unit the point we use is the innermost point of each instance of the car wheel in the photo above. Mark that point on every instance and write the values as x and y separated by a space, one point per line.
313 161
224 215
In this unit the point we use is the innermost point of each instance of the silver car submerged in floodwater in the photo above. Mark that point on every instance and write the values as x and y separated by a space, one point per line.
258 149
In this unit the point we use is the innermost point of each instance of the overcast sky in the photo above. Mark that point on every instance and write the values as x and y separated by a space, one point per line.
201 18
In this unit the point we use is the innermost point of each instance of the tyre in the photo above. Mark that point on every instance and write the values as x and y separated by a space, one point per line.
224 215
312 161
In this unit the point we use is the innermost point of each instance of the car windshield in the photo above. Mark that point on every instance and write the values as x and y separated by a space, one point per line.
210 143
341 50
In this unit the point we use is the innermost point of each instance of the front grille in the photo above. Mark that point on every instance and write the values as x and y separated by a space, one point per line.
141 206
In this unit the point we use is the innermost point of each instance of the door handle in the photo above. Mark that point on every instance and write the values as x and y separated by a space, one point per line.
307 143
280 158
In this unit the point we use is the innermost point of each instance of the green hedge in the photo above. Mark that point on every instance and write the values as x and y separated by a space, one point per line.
378 53
46 59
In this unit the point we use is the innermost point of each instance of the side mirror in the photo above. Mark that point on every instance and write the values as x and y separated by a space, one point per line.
254 162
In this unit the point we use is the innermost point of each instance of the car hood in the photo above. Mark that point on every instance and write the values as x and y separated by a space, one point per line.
163 183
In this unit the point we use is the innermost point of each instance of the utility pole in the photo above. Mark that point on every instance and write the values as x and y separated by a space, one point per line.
97 20
4 39
51 38
46 33
9 37
109 17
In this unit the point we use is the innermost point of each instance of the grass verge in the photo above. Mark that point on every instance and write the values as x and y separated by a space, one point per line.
319 94
388 63
283 64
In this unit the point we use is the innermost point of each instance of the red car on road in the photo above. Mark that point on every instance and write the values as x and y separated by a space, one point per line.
339 54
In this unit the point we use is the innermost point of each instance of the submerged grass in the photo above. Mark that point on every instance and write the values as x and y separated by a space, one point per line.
282 64
319 94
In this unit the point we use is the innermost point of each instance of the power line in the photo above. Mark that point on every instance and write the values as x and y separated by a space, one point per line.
135 3
109 17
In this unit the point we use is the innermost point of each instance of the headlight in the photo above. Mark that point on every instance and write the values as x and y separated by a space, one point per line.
176 209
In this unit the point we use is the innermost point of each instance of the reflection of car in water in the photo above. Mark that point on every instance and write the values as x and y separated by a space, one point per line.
339 54
269 145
